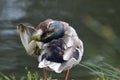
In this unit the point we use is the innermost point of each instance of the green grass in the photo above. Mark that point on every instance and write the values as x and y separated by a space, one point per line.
104 72
29 76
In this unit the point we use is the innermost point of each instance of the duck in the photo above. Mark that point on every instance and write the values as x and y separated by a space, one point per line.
55 43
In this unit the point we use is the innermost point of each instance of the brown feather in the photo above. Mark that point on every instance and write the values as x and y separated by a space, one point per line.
43 25
20 27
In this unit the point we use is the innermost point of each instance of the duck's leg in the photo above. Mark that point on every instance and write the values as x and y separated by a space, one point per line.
66 74
45 73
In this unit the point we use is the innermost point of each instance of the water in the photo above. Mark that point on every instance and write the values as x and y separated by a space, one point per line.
98 47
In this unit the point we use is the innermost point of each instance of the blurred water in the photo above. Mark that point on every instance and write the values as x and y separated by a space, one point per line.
13 57
13 10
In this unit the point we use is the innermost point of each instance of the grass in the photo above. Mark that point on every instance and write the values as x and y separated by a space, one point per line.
29 76
106 72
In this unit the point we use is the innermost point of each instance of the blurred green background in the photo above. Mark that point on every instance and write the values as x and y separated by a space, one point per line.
97 23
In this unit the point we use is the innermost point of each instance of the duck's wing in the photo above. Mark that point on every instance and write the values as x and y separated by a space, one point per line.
73 45
25 33
73 48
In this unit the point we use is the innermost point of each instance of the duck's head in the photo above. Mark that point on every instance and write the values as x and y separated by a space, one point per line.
49 30
54 30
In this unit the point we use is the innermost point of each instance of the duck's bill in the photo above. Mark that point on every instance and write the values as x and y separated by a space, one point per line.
28 37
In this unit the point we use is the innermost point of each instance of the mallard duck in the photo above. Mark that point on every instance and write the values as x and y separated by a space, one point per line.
56 44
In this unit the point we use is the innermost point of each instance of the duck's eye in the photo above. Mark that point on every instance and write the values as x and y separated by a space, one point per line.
50 31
